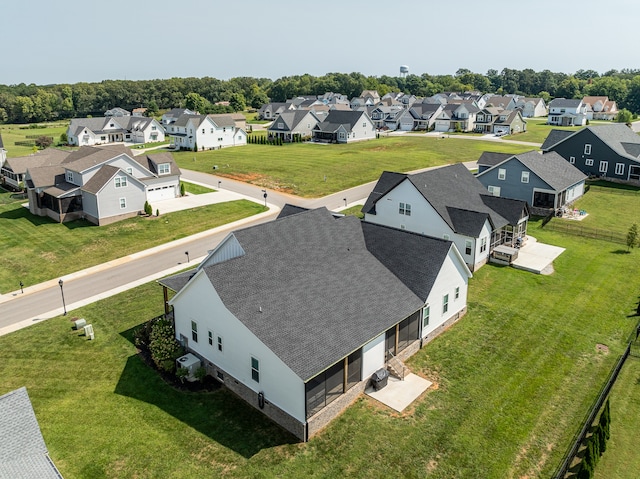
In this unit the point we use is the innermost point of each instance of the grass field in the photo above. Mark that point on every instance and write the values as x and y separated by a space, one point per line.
12 133
538 130
196 189
512 380
300 168
35 249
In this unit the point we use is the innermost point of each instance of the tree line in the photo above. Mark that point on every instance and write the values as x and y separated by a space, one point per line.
33 103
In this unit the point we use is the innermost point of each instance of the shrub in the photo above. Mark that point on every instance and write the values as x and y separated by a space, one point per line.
200 373
163 346
147 208
43 142
182 373
157 212
182 189
64 139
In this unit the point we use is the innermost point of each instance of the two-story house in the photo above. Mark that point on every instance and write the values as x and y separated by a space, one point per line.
205 132
567 112
600 108
114 129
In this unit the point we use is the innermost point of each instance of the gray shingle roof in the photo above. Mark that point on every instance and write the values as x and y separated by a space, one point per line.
512 210
322 294
177 281
552 168
554 137
47 157
23 452
492 158
88 156
44 176
564 103
100 178
337 118
151 162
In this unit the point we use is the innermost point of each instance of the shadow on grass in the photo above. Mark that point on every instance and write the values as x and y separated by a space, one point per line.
219 415
620 251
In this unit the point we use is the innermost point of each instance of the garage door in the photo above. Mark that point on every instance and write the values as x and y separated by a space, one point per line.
160 193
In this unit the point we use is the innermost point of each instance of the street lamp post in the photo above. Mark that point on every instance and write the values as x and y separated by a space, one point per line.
219 182
187 253
345 201
64 306
21 287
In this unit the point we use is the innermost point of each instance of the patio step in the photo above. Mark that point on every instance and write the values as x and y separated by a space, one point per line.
397 368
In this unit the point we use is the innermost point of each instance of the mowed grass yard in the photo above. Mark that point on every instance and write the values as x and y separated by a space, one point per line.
36 249
300 168
512 381
12 133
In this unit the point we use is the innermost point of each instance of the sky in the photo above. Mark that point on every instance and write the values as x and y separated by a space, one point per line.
51 41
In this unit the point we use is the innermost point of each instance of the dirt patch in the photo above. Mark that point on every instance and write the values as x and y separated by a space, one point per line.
602 348
261 181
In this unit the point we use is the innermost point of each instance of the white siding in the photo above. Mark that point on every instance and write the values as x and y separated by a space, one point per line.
198 301
373 356
228 249
109 199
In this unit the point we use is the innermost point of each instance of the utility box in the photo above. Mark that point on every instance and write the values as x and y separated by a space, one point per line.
190 362
79 323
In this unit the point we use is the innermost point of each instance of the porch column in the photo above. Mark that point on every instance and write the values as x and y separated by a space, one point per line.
395 346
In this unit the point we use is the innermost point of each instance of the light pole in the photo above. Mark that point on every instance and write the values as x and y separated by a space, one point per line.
187 253
345 201
21 287
219 182
264 193
64 306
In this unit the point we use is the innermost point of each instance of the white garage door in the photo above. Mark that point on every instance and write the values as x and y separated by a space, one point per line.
160 193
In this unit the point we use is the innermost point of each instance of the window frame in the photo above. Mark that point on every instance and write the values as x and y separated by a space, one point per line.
445 303
123 203
426 313
588 162
69 176
468 247
210 337
524 177
220 345
120 181
404 208
603 167
619 169
164 168
456 294
502 174
587 148
194 331
255 369
572 160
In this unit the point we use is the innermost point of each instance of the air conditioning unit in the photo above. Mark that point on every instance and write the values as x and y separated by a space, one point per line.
191 362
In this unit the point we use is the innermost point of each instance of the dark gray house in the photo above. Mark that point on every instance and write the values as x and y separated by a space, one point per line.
608 151
543 180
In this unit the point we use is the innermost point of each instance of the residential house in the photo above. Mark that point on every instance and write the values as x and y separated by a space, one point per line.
448 203
139 111
509 122
292 124
3 152
172 115
13 171
114 129
366 98
295 315
271 110
117 111
564 112
205 132
457 117
532 107
506 102
608 151
23 452
545 181
344 127
600 108
379 114
485 119
101 184
425 114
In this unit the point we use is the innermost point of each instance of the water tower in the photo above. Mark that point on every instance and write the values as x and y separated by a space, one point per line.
404 70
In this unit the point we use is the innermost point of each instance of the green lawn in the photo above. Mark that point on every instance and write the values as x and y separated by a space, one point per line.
12 133
35 249
195 189
621 459
513 379
300 168
538 130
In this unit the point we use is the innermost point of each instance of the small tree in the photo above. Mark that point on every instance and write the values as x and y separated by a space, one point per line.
157 212
632 236
147 208
624 116
200 373
195 147
182 189
64 139
43 142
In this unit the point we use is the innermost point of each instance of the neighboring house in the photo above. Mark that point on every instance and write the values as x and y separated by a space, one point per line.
448 203
101 184
457 117
367 98
295 315
3 152
344 127
532 107
486 118
205 132
545 181
600 108
271 110
505 102
139 111
290 124
172 115
563 112
608 151
380 113
117 111
509 122
13 172
114 129
23 452
425 114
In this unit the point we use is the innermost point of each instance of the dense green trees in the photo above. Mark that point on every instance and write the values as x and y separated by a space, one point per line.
33 103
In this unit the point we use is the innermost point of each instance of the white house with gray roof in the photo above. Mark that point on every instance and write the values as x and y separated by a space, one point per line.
295 315
114 129
449 203
101 184
567 112
205 132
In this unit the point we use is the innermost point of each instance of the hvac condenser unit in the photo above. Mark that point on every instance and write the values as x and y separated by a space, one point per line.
191 363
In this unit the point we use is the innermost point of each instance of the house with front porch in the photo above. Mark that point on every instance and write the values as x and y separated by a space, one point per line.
424 115
449 203
567 112
300 341
545 181
292 124
600 108
205 132
101 184
114 129
457 117
344 127
532 107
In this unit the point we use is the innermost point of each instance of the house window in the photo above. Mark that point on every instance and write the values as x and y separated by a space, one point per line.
619 168
194 331
255 369
219 344
467 246
364 124
525 177
153 128
502 173
210 334
404 209
163 168
587 149
445 237
280 126
341 135
130 170
483 244
120 181
572 160
588 162
457 295
211 130
494 190
103 138
70 176
203 131
425 316
445 303
123 203
603 166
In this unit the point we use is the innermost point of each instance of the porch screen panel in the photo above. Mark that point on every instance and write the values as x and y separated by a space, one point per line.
334 381
315 394
403 335
355 368
414 326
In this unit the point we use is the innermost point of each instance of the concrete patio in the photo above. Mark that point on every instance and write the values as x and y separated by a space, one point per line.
398 394
536 257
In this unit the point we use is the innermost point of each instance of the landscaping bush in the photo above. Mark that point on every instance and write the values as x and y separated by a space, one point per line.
182 189
147 208
163 346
